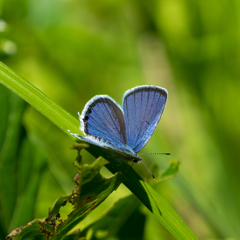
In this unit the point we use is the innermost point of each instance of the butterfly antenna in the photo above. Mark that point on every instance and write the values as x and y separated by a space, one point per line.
148 169
154 153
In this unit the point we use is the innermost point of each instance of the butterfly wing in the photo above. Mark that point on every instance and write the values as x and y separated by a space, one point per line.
143 107
102 122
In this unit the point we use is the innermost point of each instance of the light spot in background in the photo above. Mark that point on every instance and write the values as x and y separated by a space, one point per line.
9 47
3 26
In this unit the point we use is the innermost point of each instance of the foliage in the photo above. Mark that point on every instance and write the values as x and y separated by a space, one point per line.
89 191
150 198
73 50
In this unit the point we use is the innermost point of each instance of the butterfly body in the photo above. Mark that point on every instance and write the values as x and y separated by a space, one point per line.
124 132
123 153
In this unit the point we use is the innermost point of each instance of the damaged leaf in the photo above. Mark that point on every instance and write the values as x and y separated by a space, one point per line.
90 189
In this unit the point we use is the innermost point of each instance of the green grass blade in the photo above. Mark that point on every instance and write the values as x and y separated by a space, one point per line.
124 220
146 194
9 158
38 99
158 206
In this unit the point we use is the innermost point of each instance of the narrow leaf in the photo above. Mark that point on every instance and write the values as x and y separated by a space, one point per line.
9 158
124 221
170 171
147 195
38 100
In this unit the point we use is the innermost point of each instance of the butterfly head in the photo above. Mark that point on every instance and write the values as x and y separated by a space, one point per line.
137 160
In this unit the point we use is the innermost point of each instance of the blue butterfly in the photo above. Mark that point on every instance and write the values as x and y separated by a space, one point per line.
123 131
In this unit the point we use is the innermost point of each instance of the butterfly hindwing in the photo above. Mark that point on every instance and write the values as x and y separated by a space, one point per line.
103 120
143 107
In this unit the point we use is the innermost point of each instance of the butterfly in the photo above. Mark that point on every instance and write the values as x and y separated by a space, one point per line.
123 131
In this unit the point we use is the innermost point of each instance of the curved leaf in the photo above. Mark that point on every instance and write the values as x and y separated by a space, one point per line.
90 190
146 194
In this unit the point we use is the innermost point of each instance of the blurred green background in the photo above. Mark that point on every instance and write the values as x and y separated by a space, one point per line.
72 50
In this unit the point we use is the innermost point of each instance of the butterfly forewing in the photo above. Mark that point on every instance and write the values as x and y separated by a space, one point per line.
102 119
143 107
